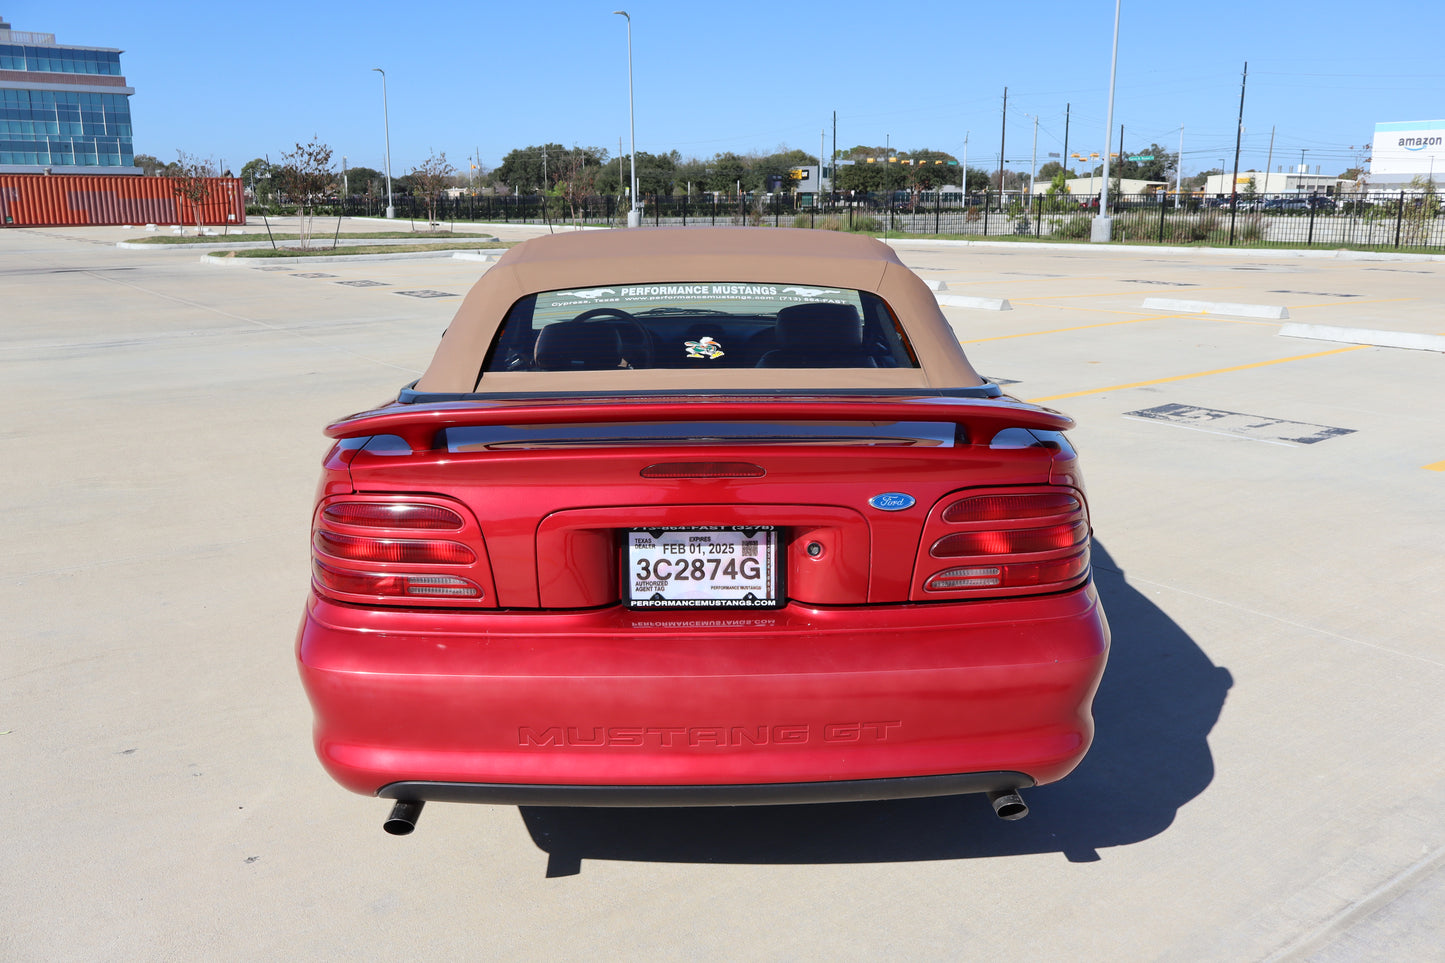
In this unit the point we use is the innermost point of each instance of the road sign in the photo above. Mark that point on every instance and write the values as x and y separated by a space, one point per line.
1141 157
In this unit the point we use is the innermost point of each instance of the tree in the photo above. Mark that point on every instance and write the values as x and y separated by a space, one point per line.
978 180
1198 181
931 169
578 179
1047 172
364 181
690 174
152 166
189 181
777 166
430 179
871 171
305 175
655 173
532 169
1161 168
257 175
725 172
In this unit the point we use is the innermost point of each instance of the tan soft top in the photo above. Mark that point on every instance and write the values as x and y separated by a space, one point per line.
580 259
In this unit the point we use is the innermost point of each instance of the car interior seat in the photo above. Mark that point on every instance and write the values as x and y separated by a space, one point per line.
819 336
577 346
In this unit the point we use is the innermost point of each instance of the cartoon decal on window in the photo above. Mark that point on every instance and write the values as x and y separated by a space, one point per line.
706 348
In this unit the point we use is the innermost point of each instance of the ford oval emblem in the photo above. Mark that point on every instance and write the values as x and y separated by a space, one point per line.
891 501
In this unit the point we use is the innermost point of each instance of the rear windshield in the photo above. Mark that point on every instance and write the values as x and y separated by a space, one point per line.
700 325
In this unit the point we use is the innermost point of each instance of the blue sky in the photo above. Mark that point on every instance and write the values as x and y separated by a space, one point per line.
238 81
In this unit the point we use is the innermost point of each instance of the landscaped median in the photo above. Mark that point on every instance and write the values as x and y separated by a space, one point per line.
352 250
394 243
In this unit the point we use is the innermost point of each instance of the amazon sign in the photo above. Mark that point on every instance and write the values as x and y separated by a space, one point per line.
1409 148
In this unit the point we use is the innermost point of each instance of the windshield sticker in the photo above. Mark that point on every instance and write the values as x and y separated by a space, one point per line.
586 293
706 348
775 295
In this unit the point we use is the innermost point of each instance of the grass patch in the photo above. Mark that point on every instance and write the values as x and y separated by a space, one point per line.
365 249
232 238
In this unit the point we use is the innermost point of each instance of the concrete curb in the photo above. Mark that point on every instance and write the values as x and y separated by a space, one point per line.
256 262
1328 254
981 304
1383 339
1267 311
262 245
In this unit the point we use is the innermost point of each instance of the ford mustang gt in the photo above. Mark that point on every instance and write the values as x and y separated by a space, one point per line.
700 516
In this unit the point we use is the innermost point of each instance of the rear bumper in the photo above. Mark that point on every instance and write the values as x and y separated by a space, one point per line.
679 708
757 794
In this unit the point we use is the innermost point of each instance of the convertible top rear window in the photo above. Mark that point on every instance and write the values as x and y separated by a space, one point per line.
700 326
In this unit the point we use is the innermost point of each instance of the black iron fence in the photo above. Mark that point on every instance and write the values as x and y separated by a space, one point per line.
1404 221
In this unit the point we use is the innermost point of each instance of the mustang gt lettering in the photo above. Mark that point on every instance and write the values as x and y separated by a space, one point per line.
720 737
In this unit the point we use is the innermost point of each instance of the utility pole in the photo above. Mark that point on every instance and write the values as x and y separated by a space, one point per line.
1269 160
1066 134
963 180
1034 160
1003 132
1238 137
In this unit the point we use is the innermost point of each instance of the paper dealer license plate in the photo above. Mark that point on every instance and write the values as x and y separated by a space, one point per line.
711 567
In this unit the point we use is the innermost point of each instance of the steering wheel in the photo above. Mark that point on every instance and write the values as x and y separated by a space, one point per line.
637 336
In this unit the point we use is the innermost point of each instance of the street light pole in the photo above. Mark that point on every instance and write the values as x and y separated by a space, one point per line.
634 217
386 119
1102 229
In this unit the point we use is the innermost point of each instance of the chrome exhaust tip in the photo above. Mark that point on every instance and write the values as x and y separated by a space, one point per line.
1008 804
402 821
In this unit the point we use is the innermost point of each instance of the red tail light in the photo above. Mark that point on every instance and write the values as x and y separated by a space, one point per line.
1017 541
991 508
393 549
379 550
1003 543
393 515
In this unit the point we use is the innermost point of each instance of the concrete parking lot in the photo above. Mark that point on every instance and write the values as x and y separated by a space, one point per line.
1268 780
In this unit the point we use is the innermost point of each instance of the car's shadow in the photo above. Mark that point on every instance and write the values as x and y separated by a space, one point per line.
1158 701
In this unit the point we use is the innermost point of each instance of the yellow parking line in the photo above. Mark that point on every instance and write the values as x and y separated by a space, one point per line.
1438 466
1198 374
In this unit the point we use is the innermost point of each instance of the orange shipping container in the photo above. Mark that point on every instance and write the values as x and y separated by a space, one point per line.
40 200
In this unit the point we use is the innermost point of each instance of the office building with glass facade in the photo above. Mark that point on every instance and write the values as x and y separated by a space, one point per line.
63 109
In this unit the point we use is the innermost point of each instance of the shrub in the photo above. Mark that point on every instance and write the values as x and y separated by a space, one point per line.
1077 226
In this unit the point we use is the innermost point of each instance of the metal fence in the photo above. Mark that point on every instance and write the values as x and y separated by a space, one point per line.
1407 221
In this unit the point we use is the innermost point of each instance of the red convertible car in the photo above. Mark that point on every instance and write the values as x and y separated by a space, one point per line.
689 517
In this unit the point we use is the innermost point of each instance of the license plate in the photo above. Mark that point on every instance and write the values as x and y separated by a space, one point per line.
709 568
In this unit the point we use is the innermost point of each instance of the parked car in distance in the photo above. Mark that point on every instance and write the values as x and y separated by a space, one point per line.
682 517
1300 203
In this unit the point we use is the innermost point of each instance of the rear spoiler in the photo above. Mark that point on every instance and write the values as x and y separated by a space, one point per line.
420 425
